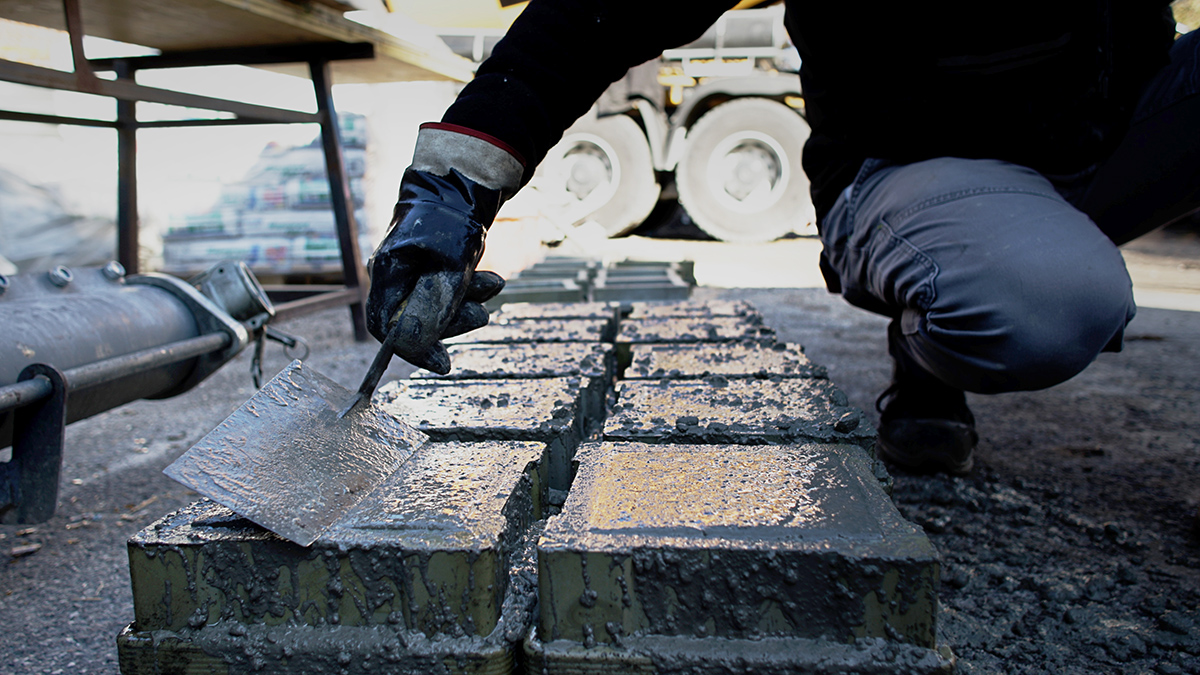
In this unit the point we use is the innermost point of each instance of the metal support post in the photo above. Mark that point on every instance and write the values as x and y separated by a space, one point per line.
127 204
355 276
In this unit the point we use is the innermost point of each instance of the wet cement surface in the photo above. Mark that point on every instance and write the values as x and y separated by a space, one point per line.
522 311
426 551
1071 549
655 310
739 360
519 409
693 329
725 410
732 543
559 330
528 360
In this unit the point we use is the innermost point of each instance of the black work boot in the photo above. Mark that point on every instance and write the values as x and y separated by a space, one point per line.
924 424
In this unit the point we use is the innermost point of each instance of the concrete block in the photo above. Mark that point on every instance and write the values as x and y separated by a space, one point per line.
594 362
565 330
640 290
577 274
738 359
548 315
688 329
727 410
547 410
694 329
697 308
639 284
418 570
686 269
556 310
658 655
487 361
689 558
539 290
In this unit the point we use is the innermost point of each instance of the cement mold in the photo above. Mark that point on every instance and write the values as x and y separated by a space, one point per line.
425 558
524 311
694 329
741 359
307 650
691 308
548 410
538 290
722 410
564 330
709 544
527 360
716 656
593 361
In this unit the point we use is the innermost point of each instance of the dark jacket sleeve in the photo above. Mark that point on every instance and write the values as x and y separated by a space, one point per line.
560 55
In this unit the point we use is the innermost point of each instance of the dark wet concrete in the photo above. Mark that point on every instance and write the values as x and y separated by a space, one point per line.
742 360
690 308
423 561
726 410
522 311
528 360
1069 551
733 543
565 330
705 329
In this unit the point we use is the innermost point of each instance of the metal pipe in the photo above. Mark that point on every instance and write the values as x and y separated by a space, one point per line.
107 370
24 393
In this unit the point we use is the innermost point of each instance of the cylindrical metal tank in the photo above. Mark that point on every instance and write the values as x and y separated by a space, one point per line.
73 318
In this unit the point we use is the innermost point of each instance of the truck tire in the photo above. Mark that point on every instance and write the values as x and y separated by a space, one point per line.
601 170
740 177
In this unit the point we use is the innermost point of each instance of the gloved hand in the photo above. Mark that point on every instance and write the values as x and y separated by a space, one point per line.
423 278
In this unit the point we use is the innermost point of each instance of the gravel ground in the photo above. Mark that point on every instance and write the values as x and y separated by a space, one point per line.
1071 548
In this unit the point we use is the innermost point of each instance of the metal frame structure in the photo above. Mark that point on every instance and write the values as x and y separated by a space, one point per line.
128 93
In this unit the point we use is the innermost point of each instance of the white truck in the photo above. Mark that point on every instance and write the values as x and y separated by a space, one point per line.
717 124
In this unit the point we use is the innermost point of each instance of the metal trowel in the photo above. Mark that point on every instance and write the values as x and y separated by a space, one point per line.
303 451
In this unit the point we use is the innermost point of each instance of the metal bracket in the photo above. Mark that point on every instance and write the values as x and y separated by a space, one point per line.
209 319
29 482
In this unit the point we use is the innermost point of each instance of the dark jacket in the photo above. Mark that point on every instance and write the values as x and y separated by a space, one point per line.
1048 84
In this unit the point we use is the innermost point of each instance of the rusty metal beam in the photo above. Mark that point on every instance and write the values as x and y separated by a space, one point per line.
20 73
55 119
316 302
354 274
245 56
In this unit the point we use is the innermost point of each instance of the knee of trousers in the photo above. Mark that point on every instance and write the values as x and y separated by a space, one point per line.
1027 334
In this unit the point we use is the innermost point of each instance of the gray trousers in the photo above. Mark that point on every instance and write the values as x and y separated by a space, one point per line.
999 278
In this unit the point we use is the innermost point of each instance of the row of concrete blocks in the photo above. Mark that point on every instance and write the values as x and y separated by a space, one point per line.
561 280
718 510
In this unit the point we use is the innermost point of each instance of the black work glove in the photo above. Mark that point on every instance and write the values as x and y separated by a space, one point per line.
423 278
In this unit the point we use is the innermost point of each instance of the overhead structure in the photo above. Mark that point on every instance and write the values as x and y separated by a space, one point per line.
315 37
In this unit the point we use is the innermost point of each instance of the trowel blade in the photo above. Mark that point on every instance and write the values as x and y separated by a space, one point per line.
286 460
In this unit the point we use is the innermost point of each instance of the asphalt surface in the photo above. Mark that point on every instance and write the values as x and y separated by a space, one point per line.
1072 548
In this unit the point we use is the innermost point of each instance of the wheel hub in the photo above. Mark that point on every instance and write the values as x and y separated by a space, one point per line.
747 174
588 167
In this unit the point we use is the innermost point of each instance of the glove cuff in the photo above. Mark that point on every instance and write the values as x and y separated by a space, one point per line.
484 159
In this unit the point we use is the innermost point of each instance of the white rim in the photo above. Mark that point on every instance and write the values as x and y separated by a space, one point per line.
747 172
592 162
